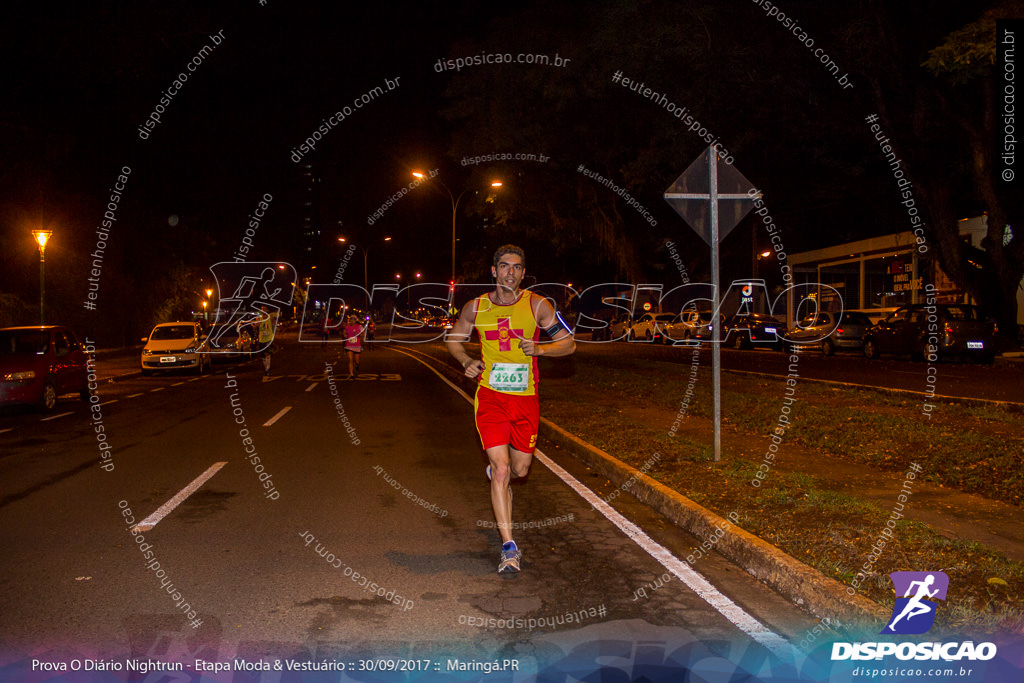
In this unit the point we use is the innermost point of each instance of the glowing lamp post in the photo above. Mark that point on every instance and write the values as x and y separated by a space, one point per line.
455 207
42 237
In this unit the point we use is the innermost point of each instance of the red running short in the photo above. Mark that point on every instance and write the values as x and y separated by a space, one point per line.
507 419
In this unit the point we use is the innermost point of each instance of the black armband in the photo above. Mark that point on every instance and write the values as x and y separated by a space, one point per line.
557 327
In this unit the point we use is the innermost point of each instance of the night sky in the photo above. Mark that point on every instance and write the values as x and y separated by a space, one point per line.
80 79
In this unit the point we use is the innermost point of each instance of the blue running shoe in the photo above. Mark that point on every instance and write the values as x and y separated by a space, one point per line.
510 557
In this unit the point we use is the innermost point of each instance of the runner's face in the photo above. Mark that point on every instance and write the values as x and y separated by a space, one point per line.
509 272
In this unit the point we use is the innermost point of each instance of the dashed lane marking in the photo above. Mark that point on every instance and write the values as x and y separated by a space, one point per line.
277 417
179 497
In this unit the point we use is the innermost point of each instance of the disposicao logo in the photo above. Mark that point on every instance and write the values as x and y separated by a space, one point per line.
914 612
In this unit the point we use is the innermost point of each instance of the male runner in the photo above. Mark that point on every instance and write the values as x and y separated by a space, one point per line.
508 322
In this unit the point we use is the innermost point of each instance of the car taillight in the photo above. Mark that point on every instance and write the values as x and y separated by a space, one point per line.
949 328
995 329
839 330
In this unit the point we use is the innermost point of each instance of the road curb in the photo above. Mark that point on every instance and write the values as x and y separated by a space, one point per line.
804 585
791 578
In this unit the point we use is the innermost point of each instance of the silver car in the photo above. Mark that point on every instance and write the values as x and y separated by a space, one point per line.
847 334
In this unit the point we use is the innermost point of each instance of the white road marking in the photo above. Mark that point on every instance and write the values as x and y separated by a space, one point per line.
695 581
162 511
277 417
134 395
178 384
107 403
157 389
9 429
311 386
54 417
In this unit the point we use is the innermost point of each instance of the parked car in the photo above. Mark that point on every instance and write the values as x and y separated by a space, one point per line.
942 329
684 326
230 341
173 346
649 326
749 329
603 317
845 334
39 364
618 327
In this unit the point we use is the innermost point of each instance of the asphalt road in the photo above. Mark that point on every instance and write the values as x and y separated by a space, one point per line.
293 571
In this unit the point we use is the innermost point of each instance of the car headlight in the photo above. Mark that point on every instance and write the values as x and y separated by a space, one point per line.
190 349
20 376
147 352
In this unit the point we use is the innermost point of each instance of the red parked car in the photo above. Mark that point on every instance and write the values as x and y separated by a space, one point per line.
38 364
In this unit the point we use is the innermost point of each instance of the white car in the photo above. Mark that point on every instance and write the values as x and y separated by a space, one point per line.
683 327
173 346
650 326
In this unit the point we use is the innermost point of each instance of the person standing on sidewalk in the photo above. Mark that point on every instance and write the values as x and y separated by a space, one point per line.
508 322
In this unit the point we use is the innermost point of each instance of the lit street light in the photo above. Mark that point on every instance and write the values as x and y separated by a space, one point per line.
42 237
366 253
455 206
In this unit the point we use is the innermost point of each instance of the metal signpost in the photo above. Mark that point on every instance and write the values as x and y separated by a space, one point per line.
712 199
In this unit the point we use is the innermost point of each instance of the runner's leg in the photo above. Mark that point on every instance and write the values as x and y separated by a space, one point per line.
501 476
506 463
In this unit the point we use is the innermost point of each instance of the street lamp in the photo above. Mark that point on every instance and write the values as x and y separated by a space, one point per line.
42 237
455 206
366 255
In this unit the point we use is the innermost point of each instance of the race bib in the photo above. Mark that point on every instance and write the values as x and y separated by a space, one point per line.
509 377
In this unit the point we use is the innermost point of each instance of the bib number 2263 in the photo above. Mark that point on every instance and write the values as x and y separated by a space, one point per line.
509 377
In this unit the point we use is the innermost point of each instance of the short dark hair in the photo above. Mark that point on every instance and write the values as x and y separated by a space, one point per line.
509 249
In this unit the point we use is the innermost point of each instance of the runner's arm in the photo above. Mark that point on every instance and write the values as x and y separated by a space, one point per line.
562 342
454 341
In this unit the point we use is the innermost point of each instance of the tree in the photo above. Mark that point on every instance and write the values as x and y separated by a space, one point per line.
736 73
947 105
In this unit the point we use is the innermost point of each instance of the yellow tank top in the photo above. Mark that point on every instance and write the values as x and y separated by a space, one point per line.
506 368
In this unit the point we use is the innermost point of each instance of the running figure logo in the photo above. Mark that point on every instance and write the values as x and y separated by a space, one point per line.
251 294
914 612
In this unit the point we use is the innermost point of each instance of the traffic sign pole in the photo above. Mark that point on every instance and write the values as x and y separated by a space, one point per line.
695 196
